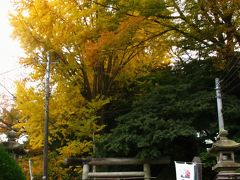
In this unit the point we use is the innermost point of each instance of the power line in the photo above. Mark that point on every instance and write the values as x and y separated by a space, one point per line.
228 84
232 67
227 67
234 87
14 97
230 78
18 68
230 74
8 71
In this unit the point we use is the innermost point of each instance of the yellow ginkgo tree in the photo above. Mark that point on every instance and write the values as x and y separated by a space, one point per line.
92 45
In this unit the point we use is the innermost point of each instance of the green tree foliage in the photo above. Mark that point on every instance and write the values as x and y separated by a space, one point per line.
94 46
207 28
173 109
198 28
114 62
171 112
9 168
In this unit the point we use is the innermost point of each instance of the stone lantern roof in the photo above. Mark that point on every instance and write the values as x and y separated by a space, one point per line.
224 144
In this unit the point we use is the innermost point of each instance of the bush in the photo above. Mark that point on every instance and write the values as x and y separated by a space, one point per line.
9 169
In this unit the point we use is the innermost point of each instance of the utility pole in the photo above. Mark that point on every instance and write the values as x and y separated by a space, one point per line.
219 104
47 95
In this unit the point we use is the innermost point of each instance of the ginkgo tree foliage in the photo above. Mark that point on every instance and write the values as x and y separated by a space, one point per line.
73 121
89 40
202 28
91 47
8 115
197 28
98 47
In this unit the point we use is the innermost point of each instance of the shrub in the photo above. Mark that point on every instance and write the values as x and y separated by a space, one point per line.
9 169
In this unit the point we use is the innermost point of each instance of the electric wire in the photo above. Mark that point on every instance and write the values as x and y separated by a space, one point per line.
14 97
226 86
228 79
9 71
225 82
234 87
229 104
231 85
17 68
227 67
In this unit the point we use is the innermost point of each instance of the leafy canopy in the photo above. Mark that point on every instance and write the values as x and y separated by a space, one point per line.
169 105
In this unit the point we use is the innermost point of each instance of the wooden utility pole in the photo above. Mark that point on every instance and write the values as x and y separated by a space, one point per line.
47 95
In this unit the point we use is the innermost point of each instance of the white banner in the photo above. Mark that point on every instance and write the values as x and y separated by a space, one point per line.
185 171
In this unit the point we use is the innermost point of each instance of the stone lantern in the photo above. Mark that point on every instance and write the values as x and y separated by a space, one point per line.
12 145
224 149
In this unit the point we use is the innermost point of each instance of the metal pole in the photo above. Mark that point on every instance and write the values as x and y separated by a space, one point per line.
30 169
219 105
47 94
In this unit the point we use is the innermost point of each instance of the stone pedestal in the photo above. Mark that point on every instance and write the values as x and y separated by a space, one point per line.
226 176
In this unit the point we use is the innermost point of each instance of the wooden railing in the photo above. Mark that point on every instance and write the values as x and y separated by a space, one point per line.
144 174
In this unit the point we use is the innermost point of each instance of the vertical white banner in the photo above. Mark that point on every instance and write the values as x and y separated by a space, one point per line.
185 171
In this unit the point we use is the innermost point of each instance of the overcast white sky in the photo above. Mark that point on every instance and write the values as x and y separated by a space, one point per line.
10 51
